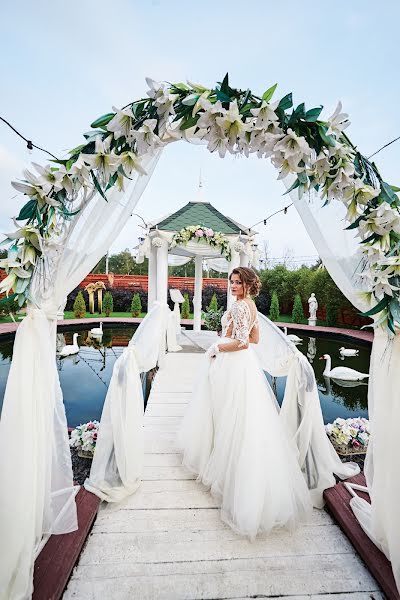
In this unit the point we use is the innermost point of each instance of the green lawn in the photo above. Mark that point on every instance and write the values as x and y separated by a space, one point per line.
288 319
68 314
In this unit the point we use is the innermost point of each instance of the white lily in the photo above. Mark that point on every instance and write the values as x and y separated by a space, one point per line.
29 232
32 186
266 115
8 283
285 166
361 192
130 162
338 121
321 167
211 112
217 142
263 142
382 285
146 139
103 160
80 170
294 148
381 221
342 181
231 124
121 124
49 177
164 99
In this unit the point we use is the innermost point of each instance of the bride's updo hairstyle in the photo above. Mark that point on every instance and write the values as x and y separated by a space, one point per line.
249 279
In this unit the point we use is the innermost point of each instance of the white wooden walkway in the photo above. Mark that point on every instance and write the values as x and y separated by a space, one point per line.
167 541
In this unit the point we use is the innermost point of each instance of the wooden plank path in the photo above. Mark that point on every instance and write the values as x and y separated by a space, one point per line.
168 542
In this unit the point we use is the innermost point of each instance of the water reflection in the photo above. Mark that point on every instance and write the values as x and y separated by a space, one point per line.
338 398
85 376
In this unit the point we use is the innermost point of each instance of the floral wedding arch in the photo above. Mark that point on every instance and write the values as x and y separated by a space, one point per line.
79 204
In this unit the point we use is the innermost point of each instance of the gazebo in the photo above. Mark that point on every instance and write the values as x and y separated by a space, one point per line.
223 242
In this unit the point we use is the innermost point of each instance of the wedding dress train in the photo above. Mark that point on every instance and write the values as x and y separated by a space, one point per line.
233 439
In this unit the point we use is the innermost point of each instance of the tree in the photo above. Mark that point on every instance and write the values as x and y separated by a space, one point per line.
108 304
274 310
297 313
213 304
136 306
185 310
79 306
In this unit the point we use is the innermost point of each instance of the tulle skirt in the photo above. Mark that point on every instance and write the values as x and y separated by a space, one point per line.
232 438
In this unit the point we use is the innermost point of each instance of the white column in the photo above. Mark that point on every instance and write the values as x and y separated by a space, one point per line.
234 262
198 285
152 277
162 268
244 259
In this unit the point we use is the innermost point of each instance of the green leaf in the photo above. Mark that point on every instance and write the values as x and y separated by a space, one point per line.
222 96
191 99
387 194
225 89
181 86
297 114
395 188
27 211
286 102
292 187
377 308
269 93
102 121
98 186
8 298
312 115
329 140
190 122
356 222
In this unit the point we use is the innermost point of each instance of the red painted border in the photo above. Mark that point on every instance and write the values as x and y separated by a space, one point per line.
54 565
338 505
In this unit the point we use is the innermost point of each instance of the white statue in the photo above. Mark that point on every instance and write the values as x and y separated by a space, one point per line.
313 306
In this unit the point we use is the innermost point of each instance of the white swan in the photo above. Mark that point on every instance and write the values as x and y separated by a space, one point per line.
292 337
348 351
97 330
343 373
71 348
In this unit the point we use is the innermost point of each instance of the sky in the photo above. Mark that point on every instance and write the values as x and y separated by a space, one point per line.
63 64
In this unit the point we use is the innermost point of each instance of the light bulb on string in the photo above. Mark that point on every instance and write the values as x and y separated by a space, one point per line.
29 146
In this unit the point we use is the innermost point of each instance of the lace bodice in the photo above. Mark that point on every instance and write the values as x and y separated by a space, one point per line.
238 321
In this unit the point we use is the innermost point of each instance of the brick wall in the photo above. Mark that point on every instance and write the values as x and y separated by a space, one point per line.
140 282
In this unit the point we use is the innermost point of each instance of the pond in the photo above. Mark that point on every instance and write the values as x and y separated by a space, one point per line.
338 399
85 376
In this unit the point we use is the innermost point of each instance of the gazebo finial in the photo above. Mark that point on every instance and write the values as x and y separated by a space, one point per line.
200 190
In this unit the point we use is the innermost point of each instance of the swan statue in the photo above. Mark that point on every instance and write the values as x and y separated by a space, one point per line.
348 351
71 348
97 330
342 373
292 337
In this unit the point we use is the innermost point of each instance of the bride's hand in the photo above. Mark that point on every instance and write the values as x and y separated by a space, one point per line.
212 351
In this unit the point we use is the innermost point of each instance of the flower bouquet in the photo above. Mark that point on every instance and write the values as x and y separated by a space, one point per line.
200 233
349 436
84 438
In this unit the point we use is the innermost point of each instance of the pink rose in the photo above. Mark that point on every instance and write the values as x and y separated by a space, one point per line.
199 233
209 232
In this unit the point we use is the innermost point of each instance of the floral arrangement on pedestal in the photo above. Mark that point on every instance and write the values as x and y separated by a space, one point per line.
202 234
349 436
84 438
315 150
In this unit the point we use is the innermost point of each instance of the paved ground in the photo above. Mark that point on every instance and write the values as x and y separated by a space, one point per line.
167 540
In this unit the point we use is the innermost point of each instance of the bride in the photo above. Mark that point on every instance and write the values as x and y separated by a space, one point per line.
232 437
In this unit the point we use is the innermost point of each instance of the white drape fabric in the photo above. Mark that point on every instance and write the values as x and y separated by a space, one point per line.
218 264
178 261
37 492
118 460
339 250
301 410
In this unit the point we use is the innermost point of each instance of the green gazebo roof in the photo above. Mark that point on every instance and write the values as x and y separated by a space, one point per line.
200 213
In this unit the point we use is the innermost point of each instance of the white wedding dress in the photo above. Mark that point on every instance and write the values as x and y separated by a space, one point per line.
233 439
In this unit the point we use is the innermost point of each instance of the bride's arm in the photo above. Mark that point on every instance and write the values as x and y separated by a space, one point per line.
240 330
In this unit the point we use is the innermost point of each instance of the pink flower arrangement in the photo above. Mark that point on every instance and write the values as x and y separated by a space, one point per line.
209 232
199 233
